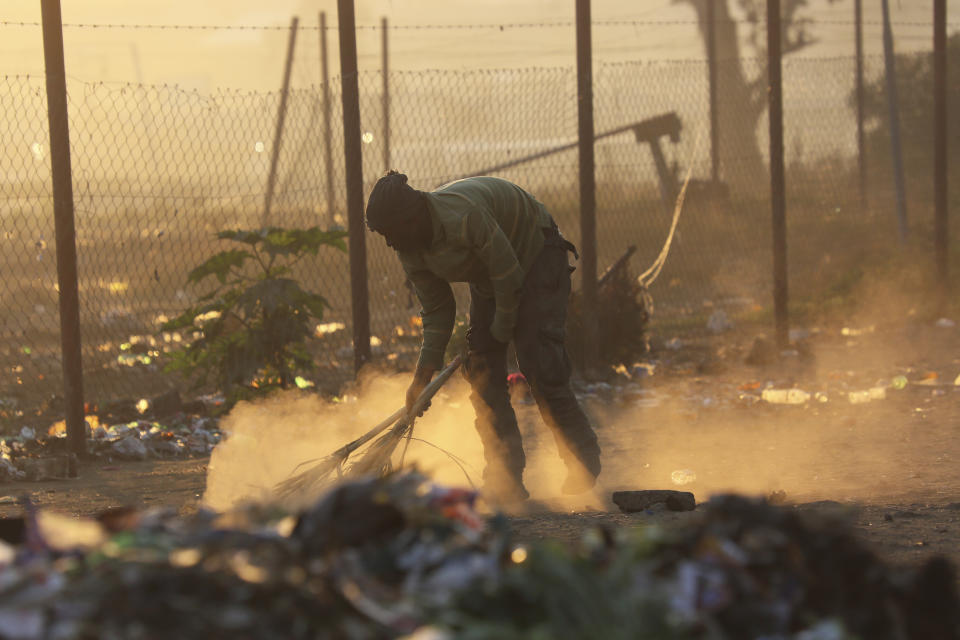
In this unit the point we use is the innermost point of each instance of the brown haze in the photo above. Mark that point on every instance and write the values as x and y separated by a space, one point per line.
831 450
207 60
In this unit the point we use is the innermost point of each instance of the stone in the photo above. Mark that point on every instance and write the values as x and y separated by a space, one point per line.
633 501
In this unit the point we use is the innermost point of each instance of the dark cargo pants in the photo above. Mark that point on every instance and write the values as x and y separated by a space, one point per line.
541 354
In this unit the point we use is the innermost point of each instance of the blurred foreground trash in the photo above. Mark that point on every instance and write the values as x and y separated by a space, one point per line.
402 557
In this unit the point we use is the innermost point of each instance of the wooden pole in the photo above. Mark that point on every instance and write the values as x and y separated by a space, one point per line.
893 102
777 182
386 97
940 138
712 70
327 127
353 164
861 151
281 116
64 224
588 196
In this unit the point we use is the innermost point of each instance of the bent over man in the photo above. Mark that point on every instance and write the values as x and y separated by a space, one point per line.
501 240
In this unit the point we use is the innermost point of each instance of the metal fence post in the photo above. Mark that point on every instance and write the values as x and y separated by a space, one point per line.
588 195
712 70
861 152
893 102
386 97
64 224
777 184
353 164
281 116
327 128
940 145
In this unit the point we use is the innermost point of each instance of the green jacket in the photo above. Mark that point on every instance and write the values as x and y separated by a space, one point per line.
486 231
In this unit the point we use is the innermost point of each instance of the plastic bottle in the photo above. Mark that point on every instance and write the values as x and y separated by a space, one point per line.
868 395
785 396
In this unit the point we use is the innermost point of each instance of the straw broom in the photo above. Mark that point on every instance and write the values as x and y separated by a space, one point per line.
376 459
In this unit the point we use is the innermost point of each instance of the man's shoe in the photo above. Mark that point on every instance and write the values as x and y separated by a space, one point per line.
578 481
506 498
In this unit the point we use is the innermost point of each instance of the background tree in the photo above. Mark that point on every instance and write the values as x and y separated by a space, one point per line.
742 78
915 83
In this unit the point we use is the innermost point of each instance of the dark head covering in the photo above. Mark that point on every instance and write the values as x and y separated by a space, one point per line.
399 213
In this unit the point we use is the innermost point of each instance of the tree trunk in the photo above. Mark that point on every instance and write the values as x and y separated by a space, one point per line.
740 102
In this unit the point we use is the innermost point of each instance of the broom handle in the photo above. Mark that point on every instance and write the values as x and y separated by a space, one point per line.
432 387
428 392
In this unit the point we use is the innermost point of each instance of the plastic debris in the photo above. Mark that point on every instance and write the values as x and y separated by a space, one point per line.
130 448
45 455
719 322
946 323
785 396
683 476
867 395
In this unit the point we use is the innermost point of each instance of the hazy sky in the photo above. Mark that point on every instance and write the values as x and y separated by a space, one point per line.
253 59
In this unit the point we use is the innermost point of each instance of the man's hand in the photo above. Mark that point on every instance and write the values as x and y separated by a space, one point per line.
420 380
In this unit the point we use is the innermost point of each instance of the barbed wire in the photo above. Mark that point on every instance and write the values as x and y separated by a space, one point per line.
450 27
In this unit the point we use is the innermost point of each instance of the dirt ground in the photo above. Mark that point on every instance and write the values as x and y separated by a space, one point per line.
889 465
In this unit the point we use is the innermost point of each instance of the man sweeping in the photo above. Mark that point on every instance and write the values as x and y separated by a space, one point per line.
501 240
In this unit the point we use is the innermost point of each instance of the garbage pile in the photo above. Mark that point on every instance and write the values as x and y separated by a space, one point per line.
400 557
30 455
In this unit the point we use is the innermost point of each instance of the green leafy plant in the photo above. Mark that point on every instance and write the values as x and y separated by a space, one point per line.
250 330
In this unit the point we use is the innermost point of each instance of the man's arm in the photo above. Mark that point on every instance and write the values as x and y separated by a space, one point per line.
439 310
491 245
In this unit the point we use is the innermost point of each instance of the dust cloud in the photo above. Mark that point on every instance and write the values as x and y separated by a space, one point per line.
682 431
698 429
269 438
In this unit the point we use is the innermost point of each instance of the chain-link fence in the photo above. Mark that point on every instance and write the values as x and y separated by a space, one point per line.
157 171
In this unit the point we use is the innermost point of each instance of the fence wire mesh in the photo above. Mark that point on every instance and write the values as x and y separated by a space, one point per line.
158 171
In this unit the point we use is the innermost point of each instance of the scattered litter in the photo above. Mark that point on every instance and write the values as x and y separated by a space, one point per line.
867 395
130 448
644 370
850 332
946 323
29 456
785 396
683 476
899 383
719 322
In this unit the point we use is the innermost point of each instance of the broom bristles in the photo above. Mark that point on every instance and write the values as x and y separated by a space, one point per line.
315 477
376 459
